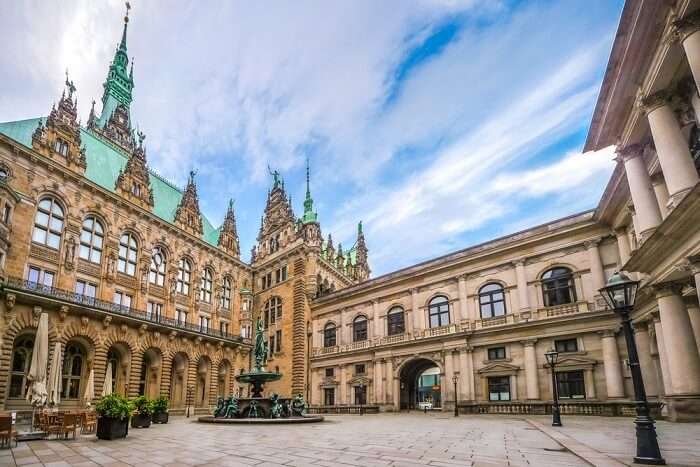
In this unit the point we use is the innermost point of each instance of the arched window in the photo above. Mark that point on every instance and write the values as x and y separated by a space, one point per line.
395 321
156 274
72 371
558 287
48 223
91 237
272 311
205 286
439 311
329 335
184 272
359 329
21 359
226 293
127 254
113 358
492 301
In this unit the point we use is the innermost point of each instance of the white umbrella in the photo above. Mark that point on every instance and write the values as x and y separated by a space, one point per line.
54 385
107 388
40 359
89 393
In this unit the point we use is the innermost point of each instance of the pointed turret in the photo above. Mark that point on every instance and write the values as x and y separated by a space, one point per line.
187 214
361 252
309 214
340 261
134 182
228 235
330 250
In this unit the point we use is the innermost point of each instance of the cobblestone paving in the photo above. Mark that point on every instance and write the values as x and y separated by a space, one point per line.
370 440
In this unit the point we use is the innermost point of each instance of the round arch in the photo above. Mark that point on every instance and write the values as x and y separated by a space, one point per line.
413 389
178 379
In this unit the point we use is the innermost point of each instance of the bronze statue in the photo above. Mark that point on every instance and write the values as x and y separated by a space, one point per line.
276 409
260 346
298 406
231 410
219 411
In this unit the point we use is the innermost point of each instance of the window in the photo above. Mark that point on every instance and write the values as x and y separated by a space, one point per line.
360 369
154 311
204 323
39 277
329 335
271 348
566 345
439 311
497 353
136 189
48 223
86 289
184 273
278 340
156 273
499 388
91 237
360 395
226 293
122 299
127 254
492 301
72 371
330 372
272 311
359 329
281 274
61 147
181 316
558 287
7 213
328 396
395 321
223 327
570 384
267 281
205 286
21 359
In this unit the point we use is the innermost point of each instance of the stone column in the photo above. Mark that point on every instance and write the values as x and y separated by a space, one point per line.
646 364
531 376
470 370
694 262
389 381
648 216
446 384
418 321
462 283
684 366
623 245
343 396
596 265
315 391
378 387
521 284
663 357
589 383
661 192
611 364
688 29
465 375
671 147
378 328
694 315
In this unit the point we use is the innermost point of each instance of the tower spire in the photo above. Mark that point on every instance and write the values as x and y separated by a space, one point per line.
309 214
122 44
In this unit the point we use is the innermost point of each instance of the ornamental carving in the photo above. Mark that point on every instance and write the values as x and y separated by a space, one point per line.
228 235
134 182
187 215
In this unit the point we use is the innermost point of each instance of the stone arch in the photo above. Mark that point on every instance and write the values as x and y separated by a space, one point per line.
120 354
556 264
202 381
179 364
408 374
150 372
224 378
78 360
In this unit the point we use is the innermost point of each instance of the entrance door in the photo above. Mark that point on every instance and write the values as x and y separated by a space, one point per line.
420 385
329 396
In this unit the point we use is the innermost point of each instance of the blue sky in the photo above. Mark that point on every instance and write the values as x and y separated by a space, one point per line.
439 123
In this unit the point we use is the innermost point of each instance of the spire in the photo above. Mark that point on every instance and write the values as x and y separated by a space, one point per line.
361 255
188 214
122 44
228 236
309 214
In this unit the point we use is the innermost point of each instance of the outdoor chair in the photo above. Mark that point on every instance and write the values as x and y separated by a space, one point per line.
88 422
69 424
7 431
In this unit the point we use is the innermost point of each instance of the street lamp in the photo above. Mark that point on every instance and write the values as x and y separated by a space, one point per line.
454 380
620 294
552 356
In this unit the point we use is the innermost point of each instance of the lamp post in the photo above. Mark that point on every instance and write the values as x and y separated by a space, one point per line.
620 294
454 380
552 356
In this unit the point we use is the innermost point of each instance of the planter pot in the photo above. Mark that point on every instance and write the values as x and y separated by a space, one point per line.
160 417
112 428
140 421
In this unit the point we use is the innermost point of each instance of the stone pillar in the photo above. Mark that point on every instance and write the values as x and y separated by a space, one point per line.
661 192
596 265
623 245
418 321
688 29
462 283
589 382
343 396
611 364
531 376
694 262
648 216
377 325
671 147
694 315
683 366
470 370
465 375
315 391
646 364
663 357
521 284
378 387
389 381
446 384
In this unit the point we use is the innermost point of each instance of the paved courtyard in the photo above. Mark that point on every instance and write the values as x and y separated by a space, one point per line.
386 440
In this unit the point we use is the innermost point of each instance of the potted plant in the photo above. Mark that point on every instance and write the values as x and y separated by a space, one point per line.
113 421
143 409
160 410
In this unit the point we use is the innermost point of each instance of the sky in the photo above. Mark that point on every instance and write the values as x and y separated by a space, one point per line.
438 123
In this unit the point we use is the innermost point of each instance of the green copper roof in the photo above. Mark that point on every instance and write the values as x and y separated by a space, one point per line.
103 165
119 83
309 214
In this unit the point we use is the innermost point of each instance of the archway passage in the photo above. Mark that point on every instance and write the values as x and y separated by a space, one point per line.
420 384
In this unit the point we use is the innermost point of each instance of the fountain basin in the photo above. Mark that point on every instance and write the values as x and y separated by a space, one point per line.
264 421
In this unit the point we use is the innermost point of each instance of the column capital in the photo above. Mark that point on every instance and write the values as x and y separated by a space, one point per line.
630 151
651 102
529 342
519 262
684 27
692 263
667 289
593 243
641 326
607 333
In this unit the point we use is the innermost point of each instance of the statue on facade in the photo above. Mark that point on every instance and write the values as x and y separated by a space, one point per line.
70 253
298 406
260 345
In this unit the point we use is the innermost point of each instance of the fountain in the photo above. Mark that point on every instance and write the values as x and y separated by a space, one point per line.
259 409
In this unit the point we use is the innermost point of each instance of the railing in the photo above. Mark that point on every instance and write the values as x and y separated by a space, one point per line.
95 304
569 308
343 409
441 331
605 409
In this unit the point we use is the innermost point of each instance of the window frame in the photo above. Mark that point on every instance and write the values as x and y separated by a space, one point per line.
127 256
91 240
569 387
206 283
488 300
184 276
436 310
55 215
27 341
395 321
156 272
330 335
226 289
493 353
69 380
496 382
563 345
360 329
559 289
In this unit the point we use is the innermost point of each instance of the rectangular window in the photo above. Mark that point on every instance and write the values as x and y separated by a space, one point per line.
497 353
284 272
40 277
330 372
154 311
328 396
278 341
570 385
278 276
122 299
224 327
271 349
360 369
360 395
204 323
86 289
6 213
566 345
499 388
181 316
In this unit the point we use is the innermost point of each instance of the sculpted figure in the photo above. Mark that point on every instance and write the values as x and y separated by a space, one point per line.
254 410
298 406
276 410
218 412
231 410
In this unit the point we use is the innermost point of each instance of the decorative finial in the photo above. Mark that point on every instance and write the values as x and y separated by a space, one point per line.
192 175
359 228
230 204
70 86
126 16
275 176
308 183
141 135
